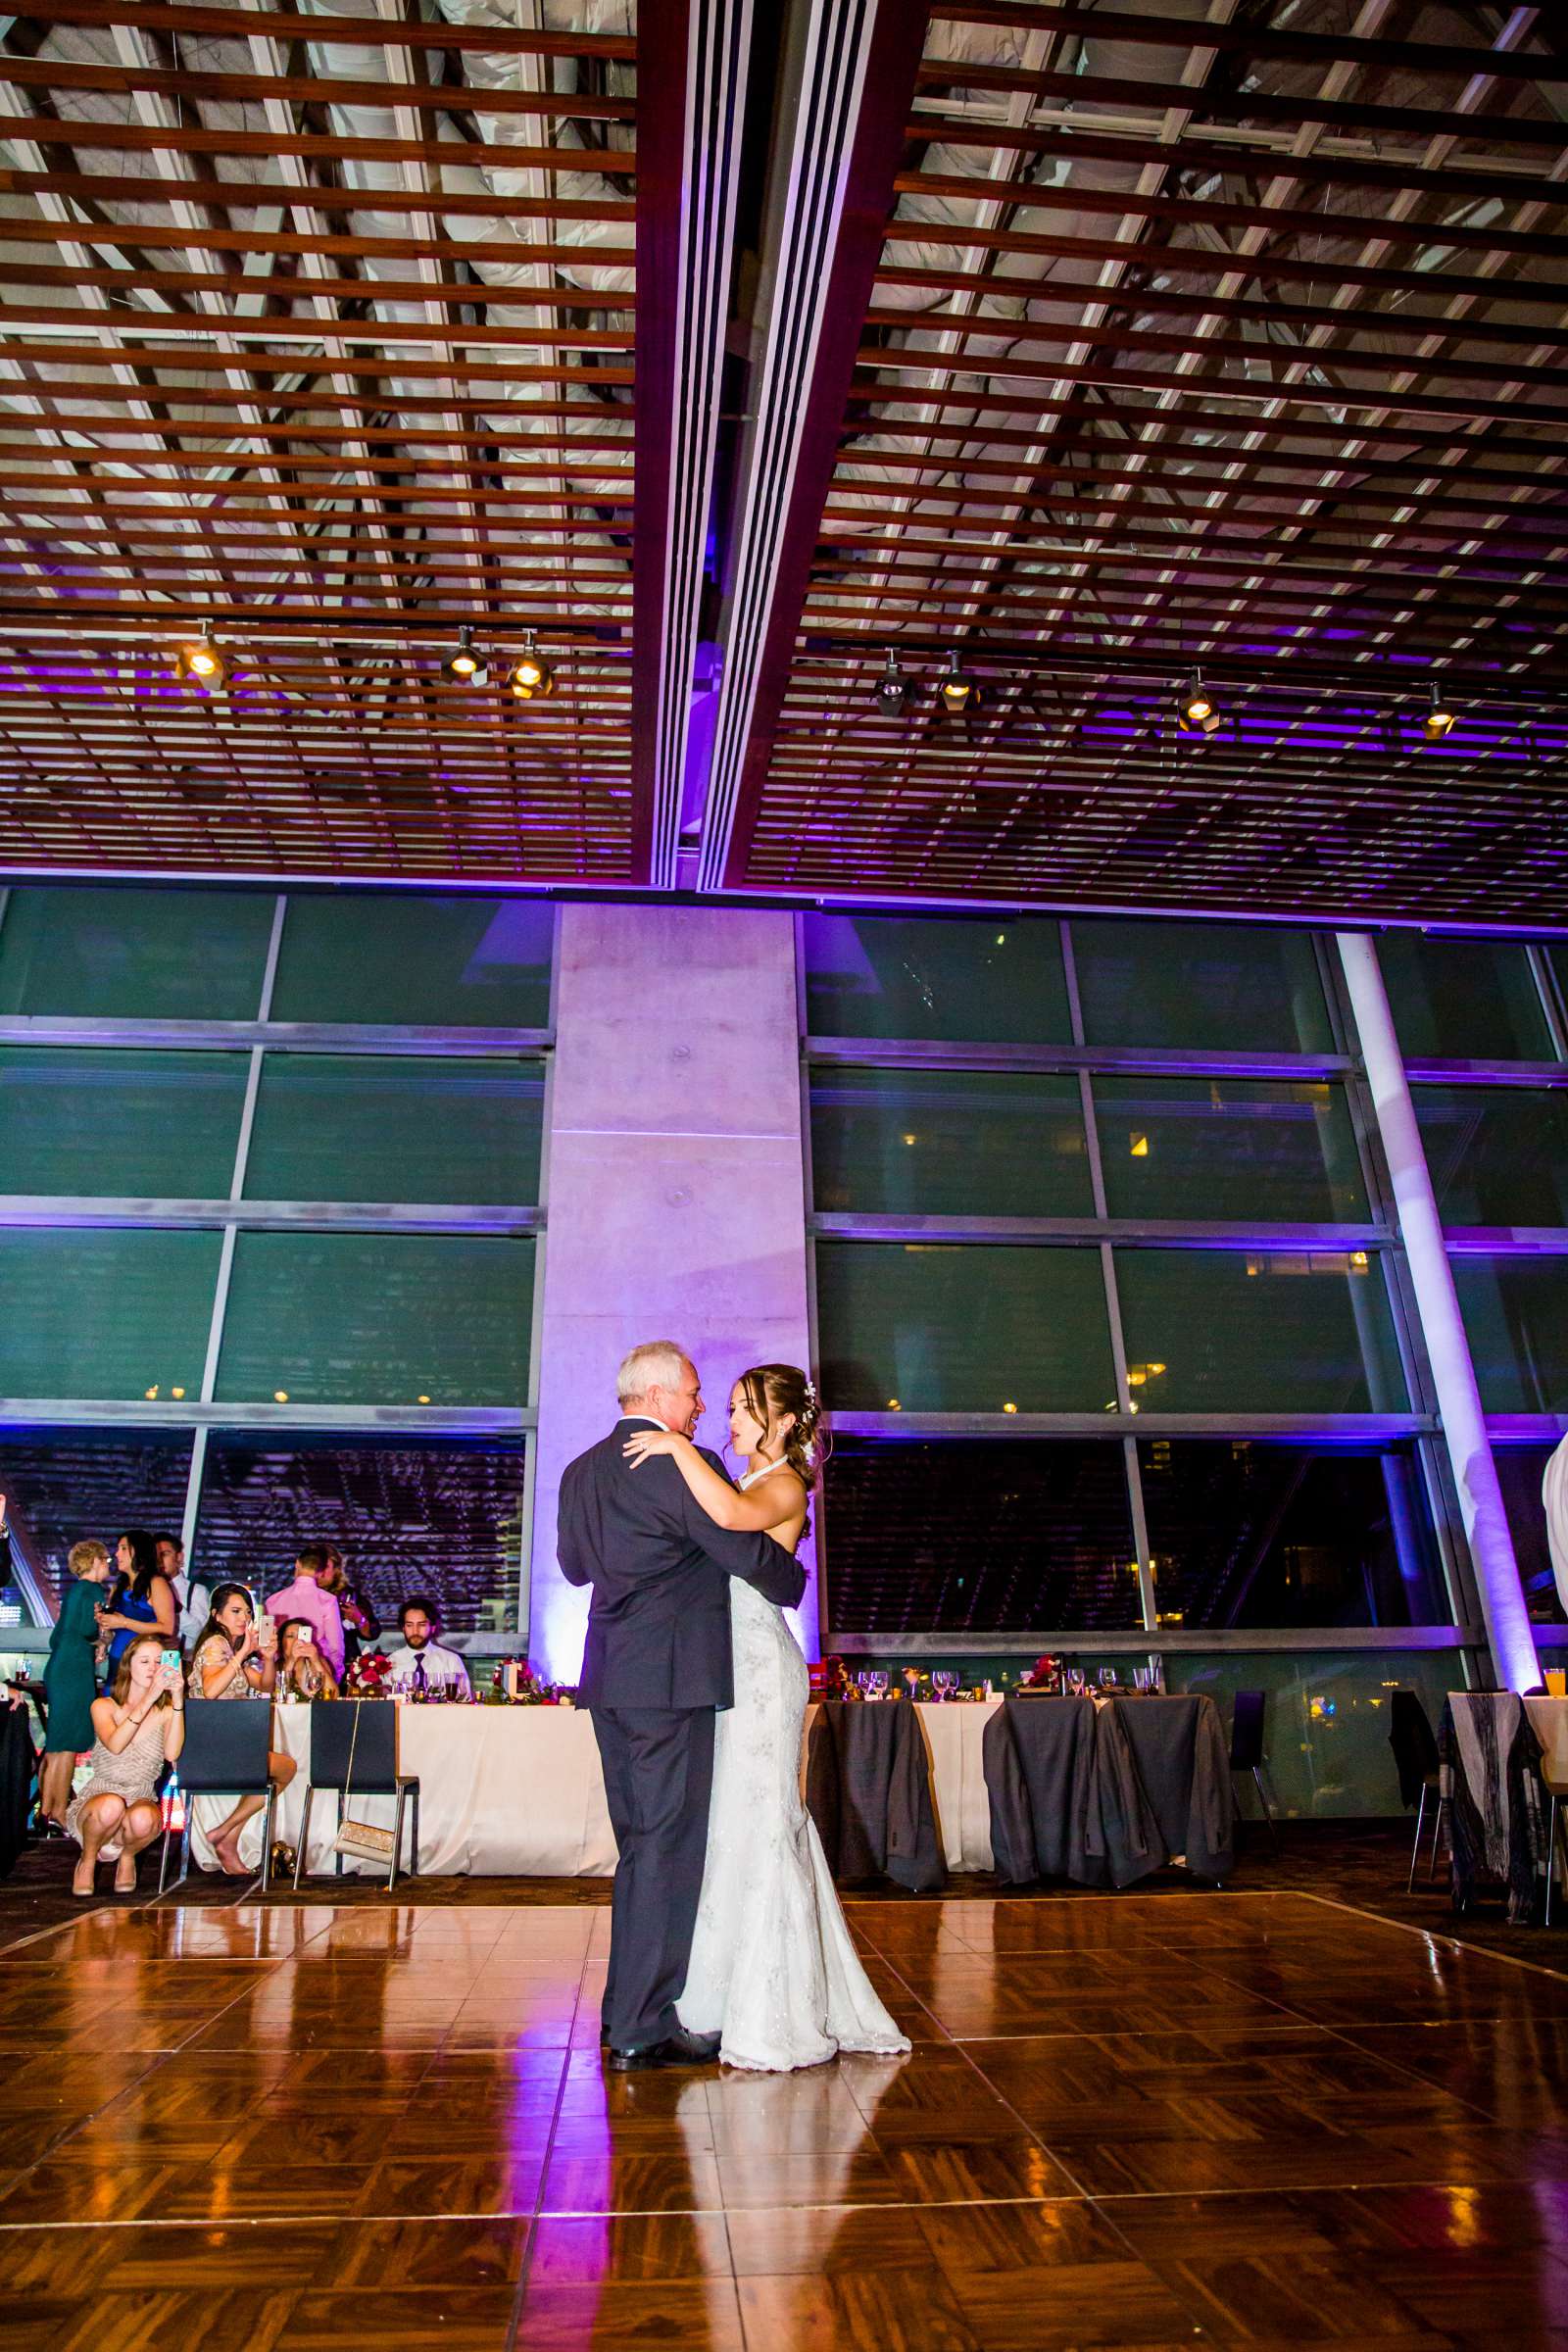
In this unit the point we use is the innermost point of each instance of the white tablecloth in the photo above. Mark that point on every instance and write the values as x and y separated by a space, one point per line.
517 1792
1549 1720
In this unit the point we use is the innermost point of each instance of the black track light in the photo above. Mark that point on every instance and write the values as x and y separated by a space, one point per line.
530 676
1196 713
1441 715
958 692
892 689
202 661
463 666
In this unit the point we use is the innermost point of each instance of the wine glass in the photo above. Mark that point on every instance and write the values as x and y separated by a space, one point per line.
1075 1681
946 1682
1108 1678
879 1683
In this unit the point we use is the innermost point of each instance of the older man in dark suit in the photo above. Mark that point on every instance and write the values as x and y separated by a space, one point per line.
656 1669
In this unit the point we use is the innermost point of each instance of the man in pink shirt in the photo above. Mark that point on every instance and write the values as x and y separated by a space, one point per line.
304 1598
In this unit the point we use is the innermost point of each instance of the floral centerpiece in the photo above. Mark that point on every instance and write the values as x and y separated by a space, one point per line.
370 1675
514 1683
1043 1675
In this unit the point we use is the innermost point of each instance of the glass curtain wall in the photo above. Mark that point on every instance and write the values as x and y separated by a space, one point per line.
1111 1316
1481 1026
271 1211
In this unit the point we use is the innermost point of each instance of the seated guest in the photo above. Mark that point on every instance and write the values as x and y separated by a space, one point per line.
70 1678
140 1601
306 1598
302 1671
237 1658
140 1729
422 1664
361 1624
193 1600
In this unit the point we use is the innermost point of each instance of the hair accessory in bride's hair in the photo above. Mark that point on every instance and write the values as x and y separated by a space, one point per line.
811 1391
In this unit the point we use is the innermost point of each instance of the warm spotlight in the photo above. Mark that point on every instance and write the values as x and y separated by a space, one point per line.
1441 715
892 689
202 661
465 666
1196 713
530 675
958 692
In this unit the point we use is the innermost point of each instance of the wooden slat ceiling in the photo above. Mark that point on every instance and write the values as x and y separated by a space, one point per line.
320 327
1228 334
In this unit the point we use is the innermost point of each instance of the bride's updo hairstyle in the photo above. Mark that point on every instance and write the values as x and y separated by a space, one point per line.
772 1393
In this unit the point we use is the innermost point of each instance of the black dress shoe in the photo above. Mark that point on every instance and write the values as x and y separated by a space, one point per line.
700 2049
680 2048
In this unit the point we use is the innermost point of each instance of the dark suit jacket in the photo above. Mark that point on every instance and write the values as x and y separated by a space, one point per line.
658 1624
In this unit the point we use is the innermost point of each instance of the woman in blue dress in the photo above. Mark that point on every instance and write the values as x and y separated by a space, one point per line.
70 1677
142 1600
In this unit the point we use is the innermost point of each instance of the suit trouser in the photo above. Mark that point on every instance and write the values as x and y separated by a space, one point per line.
658 1773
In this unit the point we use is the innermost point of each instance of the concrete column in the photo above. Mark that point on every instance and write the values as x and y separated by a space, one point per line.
676 1186
1464 1423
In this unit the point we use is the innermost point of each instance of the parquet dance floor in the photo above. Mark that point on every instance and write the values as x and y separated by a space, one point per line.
1249 2117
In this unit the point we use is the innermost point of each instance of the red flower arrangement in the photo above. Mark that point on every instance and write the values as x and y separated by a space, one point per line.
1043 1675
370 1675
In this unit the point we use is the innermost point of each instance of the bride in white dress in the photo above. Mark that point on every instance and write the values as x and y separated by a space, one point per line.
772 1971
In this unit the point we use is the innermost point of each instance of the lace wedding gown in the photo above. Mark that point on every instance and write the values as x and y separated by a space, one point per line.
772 1967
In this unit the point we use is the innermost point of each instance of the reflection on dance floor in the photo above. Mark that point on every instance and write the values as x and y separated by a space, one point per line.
1131 2120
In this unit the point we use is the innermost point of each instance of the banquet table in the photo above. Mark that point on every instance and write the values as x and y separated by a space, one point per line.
504 1792
518 1790
1106 1792
868 1790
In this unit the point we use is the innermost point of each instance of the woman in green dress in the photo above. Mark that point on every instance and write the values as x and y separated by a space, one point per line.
70 1678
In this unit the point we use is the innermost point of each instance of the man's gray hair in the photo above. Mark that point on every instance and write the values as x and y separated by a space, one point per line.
655 1364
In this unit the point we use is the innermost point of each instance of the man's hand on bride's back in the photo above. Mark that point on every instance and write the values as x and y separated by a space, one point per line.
649 1442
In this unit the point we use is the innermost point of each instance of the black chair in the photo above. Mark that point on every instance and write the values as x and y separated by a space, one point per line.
354 1753
1246 1747
1416 1760
227 1742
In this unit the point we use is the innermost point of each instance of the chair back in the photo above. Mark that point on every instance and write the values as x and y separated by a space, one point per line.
1247 1730
226 1743
374 1744
1415 1751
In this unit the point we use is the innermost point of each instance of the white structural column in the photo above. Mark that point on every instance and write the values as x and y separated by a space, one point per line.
1464 1423
676 1190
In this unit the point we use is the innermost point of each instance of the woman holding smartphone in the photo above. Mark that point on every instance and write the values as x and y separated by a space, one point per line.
236 1657
302 1671
138 1729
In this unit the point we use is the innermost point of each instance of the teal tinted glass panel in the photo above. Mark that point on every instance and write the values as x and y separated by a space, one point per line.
367 1318
959 1143
1516 1316
1298 1534
477 963
136 955
1231 1331
1229 1148
1326 1752
1520 1472
968 1330
1214 987
378 1127
1463 1000
1498 1155
104 1314
441 1516
998 982
119 1121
